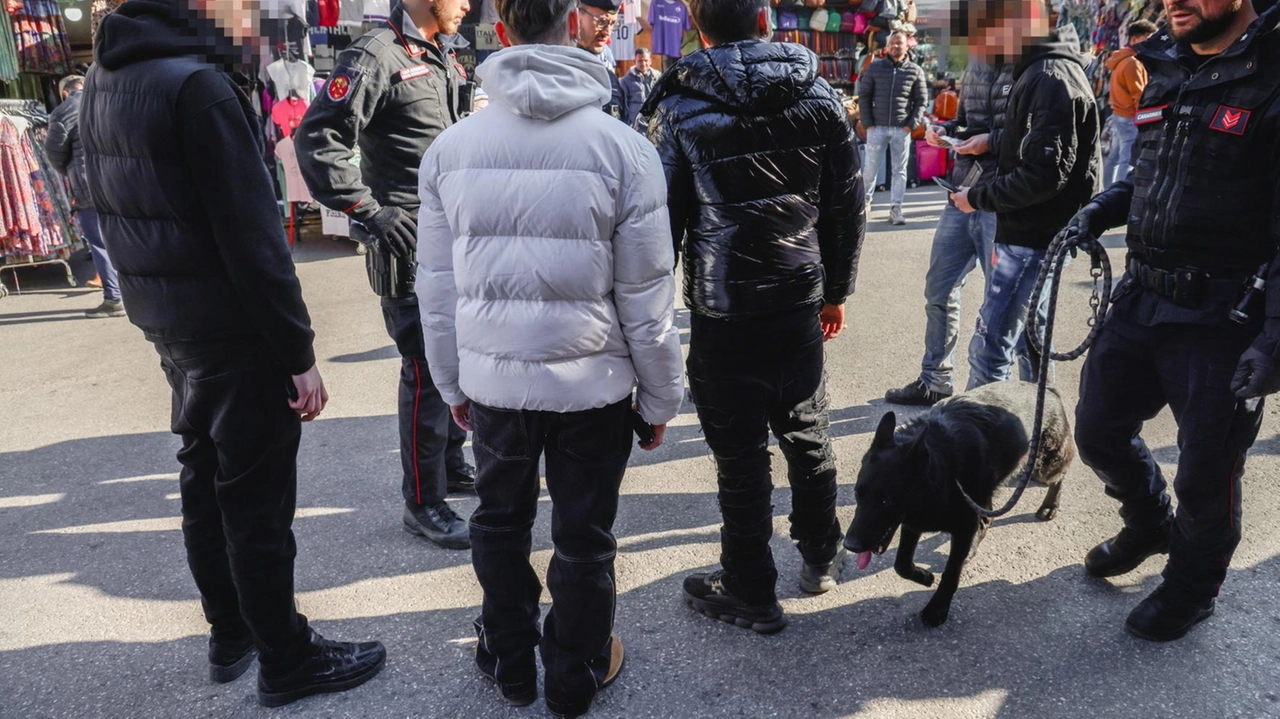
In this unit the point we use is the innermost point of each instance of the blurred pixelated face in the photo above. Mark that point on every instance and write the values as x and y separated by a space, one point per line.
897 48
1010 29
449 14
594 28
643 62
237 18
1198 21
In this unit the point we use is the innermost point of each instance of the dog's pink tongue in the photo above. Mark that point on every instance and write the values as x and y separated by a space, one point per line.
864 560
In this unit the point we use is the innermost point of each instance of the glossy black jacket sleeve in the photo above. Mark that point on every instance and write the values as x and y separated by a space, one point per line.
842 216
675 165
231 181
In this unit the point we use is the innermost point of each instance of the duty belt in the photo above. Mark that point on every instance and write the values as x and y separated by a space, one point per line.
1186 286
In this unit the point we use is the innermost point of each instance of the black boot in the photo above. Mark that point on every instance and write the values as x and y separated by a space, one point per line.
439 524
576 708
519 692
228 660
1124 552
917 393
331 667
707 594
1168 614
462 479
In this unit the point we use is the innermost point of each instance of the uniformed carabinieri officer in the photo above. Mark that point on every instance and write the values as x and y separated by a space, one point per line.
1203 214
391 94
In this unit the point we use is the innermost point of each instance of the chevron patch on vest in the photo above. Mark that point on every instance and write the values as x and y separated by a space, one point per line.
1231 120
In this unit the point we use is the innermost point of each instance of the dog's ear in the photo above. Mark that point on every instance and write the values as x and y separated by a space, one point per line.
884 433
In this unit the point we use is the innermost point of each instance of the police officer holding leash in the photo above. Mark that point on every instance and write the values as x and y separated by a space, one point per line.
392 93
1195 323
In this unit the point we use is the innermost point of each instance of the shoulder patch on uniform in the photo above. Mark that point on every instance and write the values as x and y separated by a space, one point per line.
341 83
1231 120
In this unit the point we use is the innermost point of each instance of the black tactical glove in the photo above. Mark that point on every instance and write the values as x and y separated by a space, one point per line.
1257 375
394 230
1086 226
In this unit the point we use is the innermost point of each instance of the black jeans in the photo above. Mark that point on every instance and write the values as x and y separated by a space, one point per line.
1129 376
430 442
746 377
586 454
239 487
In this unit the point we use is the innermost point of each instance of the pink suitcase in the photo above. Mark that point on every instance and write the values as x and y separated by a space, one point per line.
932 161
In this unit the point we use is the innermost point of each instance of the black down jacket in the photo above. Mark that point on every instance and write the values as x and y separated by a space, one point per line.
184 200
984 96
65 152
765 188
1050 164
892 94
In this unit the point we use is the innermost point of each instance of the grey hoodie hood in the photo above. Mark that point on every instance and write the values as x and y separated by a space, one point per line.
544 82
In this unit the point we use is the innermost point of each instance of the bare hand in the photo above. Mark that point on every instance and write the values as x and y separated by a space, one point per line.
658 431
832 320
312 396
462 415
961 200
932 137
976 145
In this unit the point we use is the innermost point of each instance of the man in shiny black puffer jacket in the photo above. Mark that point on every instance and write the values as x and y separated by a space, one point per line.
766 202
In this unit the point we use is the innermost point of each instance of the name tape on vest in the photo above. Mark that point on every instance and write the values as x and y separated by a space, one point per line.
1148 115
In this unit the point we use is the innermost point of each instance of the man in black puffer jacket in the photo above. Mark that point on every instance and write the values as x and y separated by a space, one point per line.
1049 167
174 162
961 240
765 196
892 95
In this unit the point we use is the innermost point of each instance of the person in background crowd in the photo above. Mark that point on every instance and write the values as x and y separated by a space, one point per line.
1201 208
1048 168
637 84
893 95
66 153
540 320
173 158
766 200
392 92
595 29
1128 79
961 241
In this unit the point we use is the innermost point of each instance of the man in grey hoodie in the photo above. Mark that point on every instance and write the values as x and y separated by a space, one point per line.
540 320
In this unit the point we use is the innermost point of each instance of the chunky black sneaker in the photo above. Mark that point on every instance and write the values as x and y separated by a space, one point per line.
706 593
917 393
1127 550
439 524
228 661
822 578
617 658
462 479
332 667
1168 614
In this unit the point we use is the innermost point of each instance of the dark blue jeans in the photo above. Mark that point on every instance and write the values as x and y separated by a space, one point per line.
961 242
747 377
999 341
1133 372
586 456
101 261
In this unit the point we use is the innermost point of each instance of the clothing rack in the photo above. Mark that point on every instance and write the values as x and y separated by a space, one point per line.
33 112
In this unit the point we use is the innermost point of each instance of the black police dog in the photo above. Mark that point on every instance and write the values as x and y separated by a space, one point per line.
908 477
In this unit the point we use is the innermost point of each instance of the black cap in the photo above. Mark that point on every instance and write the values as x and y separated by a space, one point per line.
606 5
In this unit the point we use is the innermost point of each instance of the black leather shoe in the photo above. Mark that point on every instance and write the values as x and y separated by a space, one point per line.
332 667
1168 614
228 661
439 524
707 594
462 479
917 393
517 694
1124 552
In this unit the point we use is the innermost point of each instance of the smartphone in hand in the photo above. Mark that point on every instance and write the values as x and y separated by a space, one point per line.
644 430
941 182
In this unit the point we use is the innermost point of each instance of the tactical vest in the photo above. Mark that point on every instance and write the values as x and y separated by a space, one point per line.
1205 172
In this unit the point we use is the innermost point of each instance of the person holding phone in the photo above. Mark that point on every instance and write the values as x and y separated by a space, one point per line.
540 322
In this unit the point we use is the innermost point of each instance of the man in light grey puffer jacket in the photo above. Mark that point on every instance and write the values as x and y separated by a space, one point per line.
546 286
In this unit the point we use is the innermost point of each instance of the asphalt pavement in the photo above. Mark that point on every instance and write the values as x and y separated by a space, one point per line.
99 616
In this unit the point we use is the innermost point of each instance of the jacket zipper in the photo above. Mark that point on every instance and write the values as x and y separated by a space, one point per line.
1022 146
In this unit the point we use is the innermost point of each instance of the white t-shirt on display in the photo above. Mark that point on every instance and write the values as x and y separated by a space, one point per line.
296 76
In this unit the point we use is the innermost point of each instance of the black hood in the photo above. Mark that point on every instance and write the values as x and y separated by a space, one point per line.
1063 44
151 29
751 75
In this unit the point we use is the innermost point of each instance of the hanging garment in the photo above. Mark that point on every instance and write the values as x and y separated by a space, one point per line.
295 188
287 114
670 20
292 77
41 39
31 220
